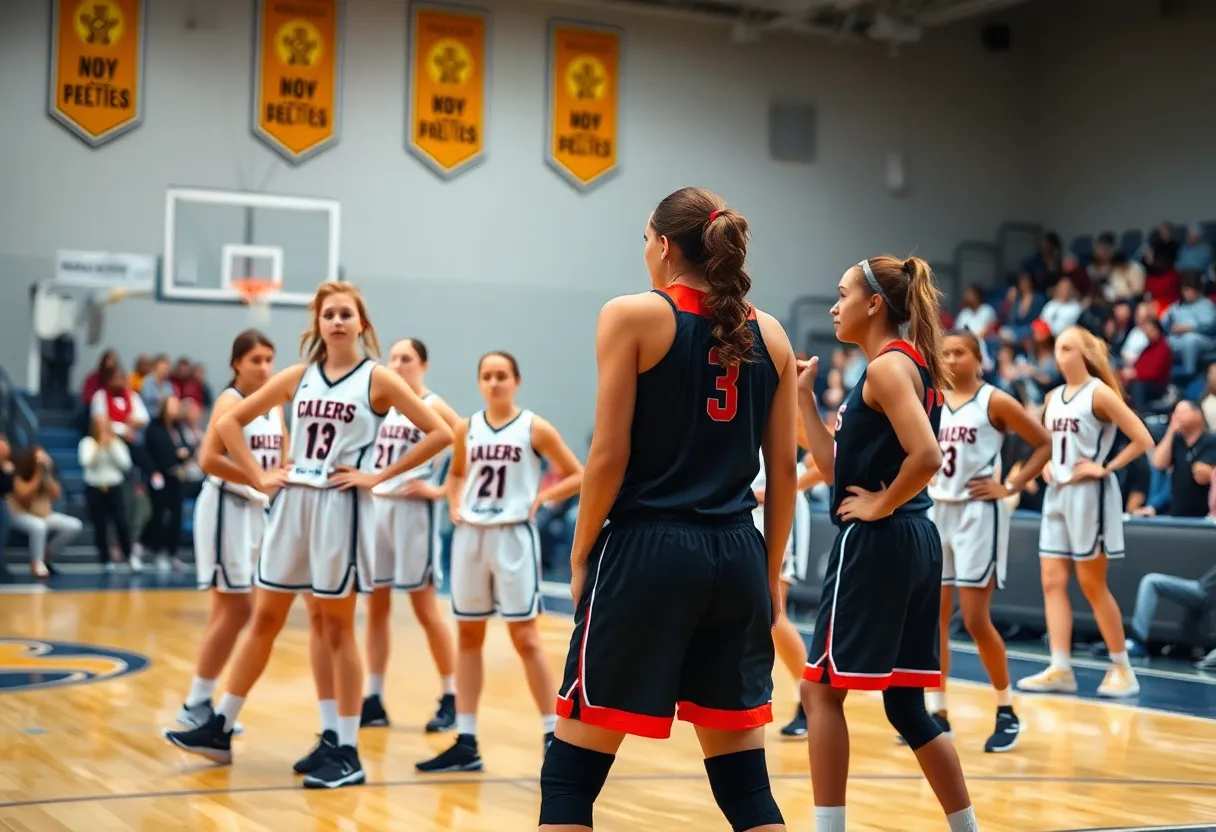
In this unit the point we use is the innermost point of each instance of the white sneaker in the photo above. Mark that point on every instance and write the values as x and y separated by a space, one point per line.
1120 683
1051 680
137 563
162 563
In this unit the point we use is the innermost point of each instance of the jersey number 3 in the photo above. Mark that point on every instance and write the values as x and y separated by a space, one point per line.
723 406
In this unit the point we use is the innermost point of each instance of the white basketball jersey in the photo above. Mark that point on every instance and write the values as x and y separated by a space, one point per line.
332 424
1076 433
502 475
264 437
971 447
761 480
396 437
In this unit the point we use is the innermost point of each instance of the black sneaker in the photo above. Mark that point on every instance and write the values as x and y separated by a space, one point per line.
796 726
1008 729
341 767
548 742
210 740
942 722
462 756
374 715
444 718
314 759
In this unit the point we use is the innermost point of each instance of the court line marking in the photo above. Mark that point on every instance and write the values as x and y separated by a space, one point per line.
1165 828
473 779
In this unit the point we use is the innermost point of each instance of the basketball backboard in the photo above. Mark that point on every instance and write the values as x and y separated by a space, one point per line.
213 238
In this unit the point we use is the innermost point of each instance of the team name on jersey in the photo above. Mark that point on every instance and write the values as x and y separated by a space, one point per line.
407 433
1065 424
957 433
266 442
495 453
326 409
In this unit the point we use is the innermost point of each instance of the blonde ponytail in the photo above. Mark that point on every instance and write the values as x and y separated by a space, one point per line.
1097 358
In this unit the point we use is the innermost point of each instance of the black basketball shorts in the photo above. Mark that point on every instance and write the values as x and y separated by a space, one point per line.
877 625
674 621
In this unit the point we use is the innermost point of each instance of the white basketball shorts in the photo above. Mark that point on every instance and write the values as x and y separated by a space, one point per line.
1082 519
495 569
975 541
798 547
227 537
407 543
319 540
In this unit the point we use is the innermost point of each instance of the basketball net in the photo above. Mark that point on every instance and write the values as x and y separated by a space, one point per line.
256 293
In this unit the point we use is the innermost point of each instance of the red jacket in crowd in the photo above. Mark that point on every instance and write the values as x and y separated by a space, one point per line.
1155 363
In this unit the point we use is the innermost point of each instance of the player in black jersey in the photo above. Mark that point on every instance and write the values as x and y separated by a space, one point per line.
677 593
878 613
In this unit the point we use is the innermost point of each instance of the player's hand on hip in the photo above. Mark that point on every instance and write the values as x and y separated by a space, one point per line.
454 513
1087 469
345 478
578 580
272 481
986 489
418 490
774 590
863 505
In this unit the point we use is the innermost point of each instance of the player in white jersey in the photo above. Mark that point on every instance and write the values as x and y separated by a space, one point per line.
320 534
1083 509
407 544
972 517
493 494
228 521
790 647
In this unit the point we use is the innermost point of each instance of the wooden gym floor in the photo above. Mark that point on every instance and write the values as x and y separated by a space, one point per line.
90 756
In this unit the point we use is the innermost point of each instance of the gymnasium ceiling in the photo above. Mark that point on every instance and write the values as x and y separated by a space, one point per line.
897 21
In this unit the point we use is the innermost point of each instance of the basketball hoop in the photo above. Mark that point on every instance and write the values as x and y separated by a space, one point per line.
255 293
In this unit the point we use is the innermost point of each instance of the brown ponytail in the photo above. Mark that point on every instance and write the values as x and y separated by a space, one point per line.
713 239
912 300
312 346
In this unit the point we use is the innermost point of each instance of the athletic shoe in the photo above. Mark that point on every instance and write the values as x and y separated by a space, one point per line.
196 716
462 756
942 722
341 767
313 760
1051 680
374 715
210 741
1005 736
1120 682
796 726
444 718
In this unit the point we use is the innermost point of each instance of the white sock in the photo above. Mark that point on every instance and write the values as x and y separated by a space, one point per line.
549 721
466 724
449 685
963 821
329 714
935 701
829 819
1004 697
201 691
348 730
230 708
1061 659
1120 658
375 684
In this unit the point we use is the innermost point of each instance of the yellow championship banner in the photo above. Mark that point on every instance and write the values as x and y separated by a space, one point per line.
297 79
97 67
584 101
447 87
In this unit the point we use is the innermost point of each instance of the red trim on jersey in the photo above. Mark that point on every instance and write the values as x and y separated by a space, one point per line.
688 299
894 679
932 397
639 725
725 720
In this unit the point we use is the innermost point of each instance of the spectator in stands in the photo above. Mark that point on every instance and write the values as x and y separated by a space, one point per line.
1161 251
106 460
204 389
1023 304
157 385
143 366
1195 597
835 392
975 315
1126 281
1195 255
6 488
1135 479
854 365
1148 377
1118 327
1064 309
192 433
1191 323
96 380
1100 267
168 453
1077 273
35 489
1047 264
125 410
1207 402
184 385
1039 371
1188 452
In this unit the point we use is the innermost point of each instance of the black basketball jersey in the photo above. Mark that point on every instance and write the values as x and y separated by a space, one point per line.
868 453
697 427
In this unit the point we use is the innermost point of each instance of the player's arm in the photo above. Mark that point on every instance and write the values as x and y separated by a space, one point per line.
617 349
889 387
780 448
819 439
389 390
549 443
1110 407
229 427
457 470
445 411
1163 454
211 453
1007 414
809 478
431 488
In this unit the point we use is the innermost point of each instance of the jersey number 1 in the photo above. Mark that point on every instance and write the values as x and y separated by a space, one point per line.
723 406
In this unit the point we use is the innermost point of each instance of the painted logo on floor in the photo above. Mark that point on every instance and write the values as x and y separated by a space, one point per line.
31 664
